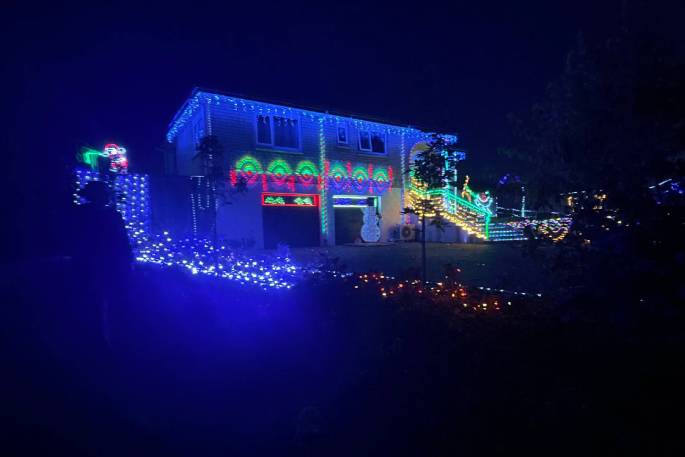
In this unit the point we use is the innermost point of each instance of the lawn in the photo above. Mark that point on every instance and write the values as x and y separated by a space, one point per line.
501 265
206 367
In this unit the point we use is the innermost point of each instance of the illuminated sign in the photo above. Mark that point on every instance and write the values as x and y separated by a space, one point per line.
353 201
272 199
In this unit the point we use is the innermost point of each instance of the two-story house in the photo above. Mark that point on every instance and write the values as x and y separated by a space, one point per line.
308 178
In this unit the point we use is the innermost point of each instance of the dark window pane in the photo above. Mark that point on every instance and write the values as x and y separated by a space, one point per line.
342 135
263 130
286 132
364 141
377 142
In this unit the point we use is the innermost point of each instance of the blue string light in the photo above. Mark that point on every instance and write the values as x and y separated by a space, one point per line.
201 257
200 98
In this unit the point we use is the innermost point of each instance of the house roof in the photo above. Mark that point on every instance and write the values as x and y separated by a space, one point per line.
213 97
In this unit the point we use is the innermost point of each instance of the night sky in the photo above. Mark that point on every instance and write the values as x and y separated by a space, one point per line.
90 75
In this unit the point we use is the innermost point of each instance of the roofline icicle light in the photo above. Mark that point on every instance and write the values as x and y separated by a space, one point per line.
199 97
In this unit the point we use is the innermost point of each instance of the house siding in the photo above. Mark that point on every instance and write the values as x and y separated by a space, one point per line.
233 123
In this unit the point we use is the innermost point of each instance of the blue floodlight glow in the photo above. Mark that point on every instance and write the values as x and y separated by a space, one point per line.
201 257
198 256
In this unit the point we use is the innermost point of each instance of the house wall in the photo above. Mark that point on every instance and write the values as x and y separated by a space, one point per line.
235 126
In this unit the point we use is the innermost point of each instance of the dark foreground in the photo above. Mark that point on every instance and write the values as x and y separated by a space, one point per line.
203 369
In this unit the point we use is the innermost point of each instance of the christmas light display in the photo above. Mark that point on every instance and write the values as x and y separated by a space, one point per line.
342 177
371 232
306 173
501 231
300 200
196 255
281 174
403 172
523 201
448 293
323 209
482 200
118 162
358 179
202 98
202 204
353 201
131 197
337 176
556 229
471 211
89 157
201 257
472 219
115 155
361 179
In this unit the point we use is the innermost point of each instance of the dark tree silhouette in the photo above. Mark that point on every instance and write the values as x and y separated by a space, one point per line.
613 125
210 152
433 170
614 121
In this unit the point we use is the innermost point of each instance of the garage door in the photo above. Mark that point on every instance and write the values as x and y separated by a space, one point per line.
348 225
289 223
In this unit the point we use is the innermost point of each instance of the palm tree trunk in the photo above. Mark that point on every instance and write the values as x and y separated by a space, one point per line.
423 247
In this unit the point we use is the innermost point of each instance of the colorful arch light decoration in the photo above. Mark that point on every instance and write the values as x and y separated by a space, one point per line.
247 169
360 179
280 174
306 172
382 179
337 175
341 177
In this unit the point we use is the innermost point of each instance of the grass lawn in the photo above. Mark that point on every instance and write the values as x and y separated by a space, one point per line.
211 368
501 265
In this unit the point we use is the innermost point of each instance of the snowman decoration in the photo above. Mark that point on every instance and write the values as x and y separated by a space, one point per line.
371 232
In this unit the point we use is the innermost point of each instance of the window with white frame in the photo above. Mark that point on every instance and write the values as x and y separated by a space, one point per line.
278 131
371 141
342 134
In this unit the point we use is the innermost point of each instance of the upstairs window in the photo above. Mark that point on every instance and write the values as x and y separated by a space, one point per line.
377 142
286 132
364 141
263 129
372 141
342 134
278 131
